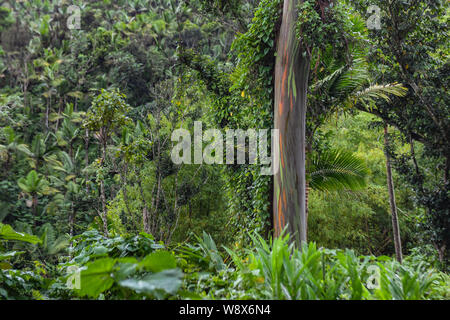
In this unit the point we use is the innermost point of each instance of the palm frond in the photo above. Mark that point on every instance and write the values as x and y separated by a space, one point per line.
368 95
333 170
355 76
328 81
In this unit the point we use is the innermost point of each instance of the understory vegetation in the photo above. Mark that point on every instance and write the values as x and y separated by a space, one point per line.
92 205
138 267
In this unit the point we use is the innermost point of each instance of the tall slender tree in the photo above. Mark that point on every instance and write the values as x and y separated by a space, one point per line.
392 202
291 84
106 115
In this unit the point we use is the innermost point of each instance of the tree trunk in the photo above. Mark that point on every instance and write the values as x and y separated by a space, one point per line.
102 192
86 157
34 204
145 211
291 83
390 183
47 113
123 175
71 219
104 214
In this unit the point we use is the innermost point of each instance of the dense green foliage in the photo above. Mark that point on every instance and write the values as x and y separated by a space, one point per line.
138 267
93 207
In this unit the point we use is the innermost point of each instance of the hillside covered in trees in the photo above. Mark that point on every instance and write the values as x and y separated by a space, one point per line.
224 149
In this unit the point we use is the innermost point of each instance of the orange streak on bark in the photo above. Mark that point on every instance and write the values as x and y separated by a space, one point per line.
292 103
283 83
281 142
281 151
280 109
280 212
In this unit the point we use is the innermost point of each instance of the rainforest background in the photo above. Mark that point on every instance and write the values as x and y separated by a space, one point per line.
92 206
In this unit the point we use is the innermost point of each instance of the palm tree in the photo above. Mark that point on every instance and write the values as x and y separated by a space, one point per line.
69 131
34 185
340 87
42 151
334 170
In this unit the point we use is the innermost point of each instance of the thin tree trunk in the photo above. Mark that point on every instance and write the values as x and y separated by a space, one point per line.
103 200
59 114
291 82
123 175
145 211
86 157
47 110
34 204
102 191
390 183
175 210
71 219
156 205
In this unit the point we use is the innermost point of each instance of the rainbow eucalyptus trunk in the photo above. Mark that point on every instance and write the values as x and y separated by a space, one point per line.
291 83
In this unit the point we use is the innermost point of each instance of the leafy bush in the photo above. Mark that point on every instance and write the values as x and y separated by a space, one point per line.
132 268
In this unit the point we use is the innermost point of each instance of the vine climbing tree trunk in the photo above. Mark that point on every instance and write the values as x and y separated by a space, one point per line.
291 83
390 183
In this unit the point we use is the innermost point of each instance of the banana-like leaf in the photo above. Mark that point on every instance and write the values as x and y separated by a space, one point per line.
8 233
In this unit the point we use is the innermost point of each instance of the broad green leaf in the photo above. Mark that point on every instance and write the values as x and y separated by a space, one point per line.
167 281
97 277
8 233
125 268
159 261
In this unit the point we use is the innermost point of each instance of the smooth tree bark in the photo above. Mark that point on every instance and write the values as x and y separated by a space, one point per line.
291 83
390 184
